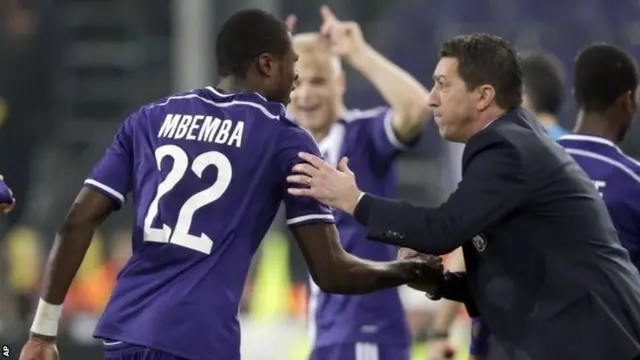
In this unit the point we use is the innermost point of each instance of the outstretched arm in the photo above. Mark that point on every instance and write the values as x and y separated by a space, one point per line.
493 186
407 98
336 271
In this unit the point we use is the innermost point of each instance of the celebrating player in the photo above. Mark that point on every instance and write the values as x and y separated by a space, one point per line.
206 170
371 326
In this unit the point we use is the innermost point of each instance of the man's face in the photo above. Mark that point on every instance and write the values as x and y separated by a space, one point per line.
453 105
280 76
319 91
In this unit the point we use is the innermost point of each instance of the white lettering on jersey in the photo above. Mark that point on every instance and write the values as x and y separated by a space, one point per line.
202 128
600 185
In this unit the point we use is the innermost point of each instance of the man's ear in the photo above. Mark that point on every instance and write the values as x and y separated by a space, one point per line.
486 96
265 65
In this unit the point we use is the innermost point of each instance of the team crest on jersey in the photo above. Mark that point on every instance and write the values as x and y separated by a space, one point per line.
479 242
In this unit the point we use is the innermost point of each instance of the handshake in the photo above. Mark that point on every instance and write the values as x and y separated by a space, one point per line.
428 271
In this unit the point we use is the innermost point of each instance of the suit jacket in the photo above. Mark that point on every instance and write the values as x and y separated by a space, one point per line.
544 266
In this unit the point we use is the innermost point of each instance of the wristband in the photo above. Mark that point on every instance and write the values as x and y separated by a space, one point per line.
480 334
46 320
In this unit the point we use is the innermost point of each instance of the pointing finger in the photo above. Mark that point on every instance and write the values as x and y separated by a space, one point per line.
327 15
291 22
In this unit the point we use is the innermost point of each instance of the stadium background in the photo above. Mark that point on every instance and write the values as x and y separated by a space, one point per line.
71 70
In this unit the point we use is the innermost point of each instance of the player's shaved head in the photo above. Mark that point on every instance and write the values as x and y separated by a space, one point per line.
317 101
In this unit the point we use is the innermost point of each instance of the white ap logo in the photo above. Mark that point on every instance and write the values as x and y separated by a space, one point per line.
479 242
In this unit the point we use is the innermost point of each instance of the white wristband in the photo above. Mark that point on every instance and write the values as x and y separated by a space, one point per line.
46 319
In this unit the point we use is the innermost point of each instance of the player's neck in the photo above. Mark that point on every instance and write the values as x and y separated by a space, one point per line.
596 125
547 120
232 84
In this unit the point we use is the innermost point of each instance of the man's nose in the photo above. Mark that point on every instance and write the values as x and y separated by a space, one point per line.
434 99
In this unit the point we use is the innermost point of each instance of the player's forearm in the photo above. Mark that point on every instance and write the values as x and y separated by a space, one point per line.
65 258
353 275
69 248
406 96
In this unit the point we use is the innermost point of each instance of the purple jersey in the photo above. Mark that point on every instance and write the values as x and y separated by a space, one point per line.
617 178
367 138
206 172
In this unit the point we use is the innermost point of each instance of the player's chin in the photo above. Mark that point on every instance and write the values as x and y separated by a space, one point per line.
286 100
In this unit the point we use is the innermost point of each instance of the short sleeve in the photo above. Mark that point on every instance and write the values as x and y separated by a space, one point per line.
113 174
299 210
385 144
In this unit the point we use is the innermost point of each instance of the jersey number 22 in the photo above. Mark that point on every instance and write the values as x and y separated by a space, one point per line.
180 234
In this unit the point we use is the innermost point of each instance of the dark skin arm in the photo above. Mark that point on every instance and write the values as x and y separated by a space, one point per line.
88 211
336 271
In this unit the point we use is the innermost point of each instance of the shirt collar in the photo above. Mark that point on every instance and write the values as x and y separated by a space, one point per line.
589 138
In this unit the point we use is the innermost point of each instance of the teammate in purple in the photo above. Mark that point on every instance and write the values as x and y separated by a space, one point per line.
371 326
605 88
206 170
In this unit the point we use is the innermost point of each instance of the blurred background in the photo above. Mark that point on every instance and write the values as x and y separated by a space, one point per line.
71 70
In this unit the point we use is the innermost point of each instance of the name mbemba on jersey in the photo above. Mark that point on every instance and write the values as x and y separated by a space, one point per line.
202 128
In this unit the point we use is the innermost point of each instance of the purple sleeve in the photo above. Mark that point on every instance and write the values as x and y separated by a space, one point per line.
300 210
113 174
385 144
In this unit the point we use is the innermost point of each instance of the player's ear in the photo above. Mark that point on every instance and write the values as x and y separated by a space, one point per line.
626 102
265 65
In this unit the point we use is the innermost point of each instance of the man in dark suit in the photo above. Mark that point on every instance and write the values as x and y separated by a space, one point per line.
544 265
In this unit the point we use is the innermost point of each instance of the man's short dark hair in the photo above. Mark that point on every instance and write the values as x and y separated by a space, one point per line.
488 59
603 72
543 82
246 35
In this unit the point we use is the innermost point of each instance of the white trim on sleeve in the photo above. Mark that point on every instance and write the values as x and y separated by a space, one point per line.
391 134
105 188
303 218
